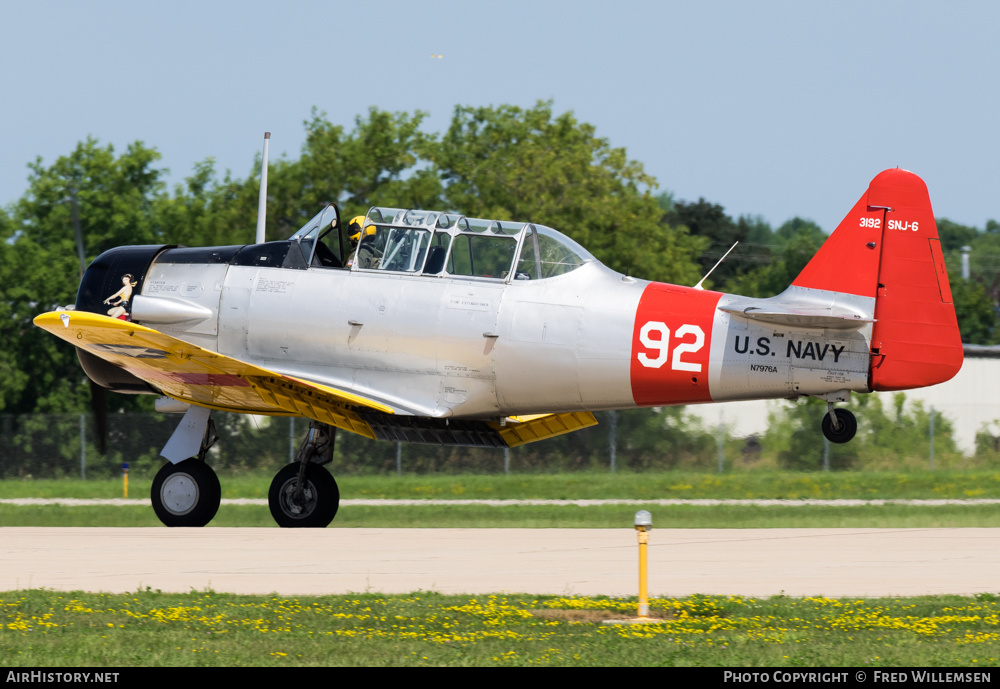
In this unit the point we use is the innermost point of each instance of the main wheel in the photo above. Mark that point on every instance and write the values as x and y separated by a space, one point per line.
847 426
186 494
319 501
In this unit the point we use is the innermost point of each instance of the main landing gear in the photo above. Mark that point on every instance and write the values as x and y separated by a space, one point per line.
188 493
304 494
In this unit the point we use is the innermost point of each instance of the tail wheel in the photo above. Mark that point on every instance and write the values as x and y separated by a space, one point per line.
847 426
186 494
314 507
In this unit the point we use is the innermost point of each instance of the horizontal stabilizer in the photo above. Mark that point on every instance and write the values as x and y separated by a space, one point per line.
804 318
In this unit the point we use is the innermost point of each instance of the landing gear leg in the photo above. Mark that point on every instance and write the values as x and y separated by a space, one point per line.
188 493
839 425
304 494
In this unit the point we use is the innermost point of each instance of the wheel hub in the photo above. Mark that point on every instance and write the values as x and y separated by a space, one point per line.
179 494
298 508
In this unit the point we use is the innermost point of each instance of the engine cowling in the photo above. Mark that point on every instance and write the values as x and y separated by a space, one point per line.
121 272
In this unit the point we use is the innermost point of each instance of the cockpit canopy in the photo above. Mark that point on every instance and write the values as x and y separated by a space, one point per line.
434 243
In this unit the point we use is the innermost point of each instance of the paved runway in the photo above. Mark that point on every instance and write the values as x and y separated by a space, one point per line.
753 562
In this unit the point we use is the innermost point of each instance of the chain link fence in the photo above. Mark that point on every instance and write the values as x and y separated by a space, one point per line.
48 446
658 439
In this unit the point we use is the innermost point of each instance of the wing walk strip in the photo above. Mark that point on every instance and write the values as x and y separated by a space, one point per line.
193 374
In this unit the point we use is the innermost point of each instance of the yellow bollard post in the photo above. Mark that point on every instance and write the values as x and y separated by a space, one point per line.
643 525
125 479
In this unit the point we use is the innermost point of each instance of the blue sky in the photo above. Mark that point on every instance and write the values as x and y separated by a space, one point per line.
771 108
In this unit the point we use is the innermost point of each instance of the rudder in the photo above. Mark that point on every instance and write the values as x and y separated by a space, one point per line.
915 341
888 248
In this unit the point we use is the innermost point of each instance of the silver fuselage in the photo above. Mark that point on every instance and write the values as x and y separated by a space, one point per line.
447 346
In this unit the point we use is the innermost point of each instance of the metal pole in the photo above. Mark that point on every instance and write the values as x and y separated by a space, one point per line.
826 454
399 459
291 439
643 578
262 199
643 525
506 461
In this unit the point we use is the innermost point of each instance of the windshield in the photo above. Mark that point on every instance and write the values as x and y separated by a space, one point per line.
319 239
546 253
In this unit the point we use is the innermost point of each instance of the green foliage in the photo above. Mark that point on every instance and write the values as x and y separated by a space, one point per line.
888 438
977 300
779 259
112 198
709 220
976 312
519 516
742 482
953 235
530 165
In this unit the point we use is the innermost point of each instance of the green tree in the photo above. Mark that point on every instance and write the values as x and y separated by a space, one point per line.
110 197
891 434
530 165
953 235
788 251
377 163
976 311
709 220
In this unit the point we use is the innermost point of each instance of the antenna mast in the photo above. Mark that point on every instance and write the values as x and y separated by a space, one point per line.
701 282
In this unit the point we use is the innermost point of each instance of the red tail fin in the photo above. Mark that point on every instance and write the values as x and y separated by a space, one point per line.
888 248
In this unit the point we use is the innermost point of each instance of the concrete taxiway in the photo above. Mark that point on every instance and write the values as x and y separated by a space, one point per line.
752 562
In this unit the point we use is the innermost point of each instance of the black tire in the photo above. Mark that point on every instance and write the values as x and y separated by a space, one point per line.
848 426
321 498
186 494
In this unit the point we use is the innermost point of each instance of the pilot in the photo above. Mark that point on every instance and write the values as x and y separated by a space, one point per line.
362 243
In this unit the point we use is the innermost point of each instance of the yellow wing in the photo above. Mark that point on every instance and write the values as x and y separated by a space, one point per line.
193 374
200 376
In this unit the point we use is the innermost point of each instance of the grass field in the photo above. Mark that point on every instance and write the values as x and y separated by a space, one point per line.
605 516
623 486
148 628
584 485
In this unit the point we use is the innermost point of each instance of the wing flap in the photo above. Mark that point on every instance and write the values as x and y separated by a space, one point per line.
540 427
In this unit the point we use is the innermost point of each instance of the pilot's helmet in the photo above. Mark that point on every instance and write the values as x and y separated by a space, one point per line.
354 228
